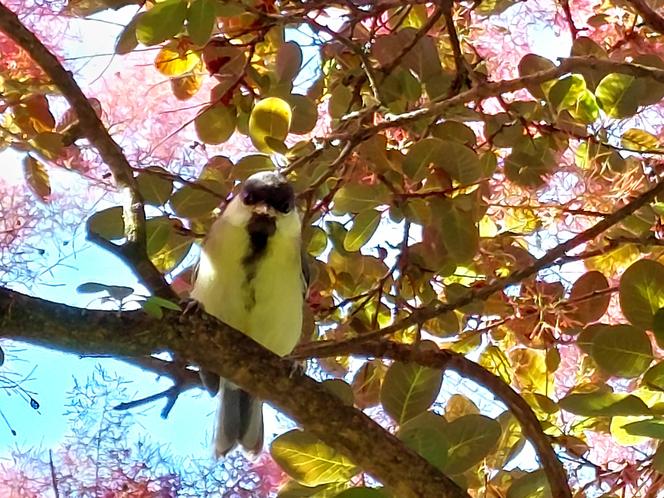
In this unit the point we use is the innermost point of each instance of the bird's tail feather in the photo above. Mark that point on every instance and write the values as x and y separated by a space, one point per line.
239 420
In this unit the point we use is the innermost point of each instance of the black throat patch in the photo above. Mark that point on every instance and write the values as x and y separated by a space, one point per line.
260 227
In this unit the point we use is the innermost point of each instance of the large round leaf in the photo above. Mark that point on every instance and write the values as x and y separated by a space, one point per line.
471 438
604 404
619 94
310 461
201 19
216 124
642 292
426 434
155 185
364 226
161 22
585 307
269 123
409 389
621 350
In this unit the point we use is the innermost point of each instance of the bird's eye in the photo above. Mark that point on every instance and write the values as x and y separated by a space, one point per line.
248 198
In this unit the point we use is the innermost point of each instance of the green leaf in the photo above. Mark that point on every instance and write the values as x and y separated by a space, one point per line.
642 292
340 389
253 163
192 202
426 434
621 350
604 404
270 118
317 242
459 230
364 226
419 157
636 139
653 428
37 177
532 485
107 223
172 252
618 95
309 461
305 114
530 162
471 439
456 132
161 22
340 101
216 124
409 389
654 377
460 162
201 19
589 310
155 185
530 64
293 489
355 198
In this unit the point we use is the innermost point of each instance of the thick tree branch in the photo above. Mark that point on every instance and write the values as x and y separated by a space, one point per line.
95 131
421 315
444 359
649 15
205 341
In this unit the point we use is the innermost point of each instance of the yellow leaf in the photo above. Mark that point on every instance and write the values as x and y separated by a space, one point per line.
270 118
37 177
176 58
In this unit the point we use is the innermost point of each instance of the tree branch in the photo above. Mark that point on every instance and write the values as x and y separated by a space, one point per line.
651 17
95 131
203 340
443 359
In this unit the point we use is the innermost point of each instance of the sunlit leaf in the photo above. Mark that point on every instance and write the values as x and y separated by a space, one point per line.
163 21
427 435
471 438
186 86
37 177
636 139
201 19
155 185
309 461
532 485
604 404
192 202
107 223
618 95
364 226
622 350
216 124
176 58
642 292
409 389
653 428
270 118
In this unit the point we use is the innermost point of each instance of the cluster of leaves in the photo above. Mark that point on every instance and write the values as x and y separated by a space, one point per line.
470 181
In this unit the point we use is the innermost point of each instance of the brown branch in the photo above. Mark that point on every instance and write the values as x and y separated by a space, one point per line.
492 89
204 341
95 131
421 315
444 359
651 17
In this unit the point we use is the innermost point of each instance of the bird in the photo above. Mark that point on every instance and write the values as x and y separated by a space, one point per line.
250 276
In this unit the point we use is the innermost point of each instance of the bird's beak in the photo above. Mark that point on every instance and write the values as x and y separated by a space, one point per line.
264 210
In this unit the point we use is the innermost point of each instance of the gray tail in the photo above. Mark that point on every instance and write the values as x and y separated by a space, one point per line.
239 421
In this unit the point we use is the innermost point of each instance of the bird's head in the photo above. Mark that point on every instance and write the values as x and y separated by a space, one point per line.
268 193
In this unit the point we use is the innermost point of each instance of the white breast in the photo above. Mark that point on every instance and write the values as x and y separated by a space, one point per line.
222 286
